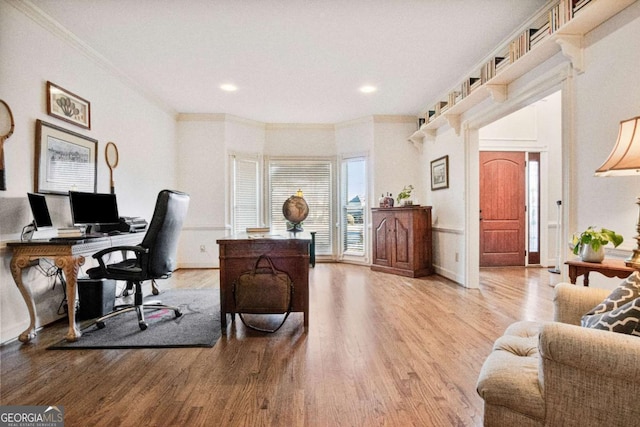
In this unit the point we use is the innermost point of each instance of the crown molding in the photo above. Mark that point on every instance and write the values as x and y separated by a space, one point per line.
37 15
310 126
201 117
394 119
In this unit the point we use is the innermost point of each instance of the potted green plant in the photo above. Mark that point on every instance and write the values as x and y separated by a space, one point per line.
591 242
405 195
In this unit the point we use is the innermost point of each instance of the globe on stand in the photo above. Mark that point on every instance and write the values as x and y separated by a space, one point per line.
295 210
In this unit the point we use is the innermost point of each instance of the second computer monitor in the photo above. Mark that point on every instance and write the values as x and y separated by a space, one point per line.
99 210
40 211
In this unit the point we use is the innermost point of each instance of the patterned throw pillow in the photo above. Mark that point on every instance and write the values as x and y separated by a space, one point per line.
627 291
620 311
625 319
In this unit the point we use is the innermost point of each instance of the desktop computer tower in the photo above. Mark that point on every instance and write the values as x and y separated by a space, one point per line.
96 298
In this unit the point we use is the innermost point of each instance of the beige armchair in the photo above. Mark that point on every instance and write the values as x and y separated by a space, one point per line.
561 374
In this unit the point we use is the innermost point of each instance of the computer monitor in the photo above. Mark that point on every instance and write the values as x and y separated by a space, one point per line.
40 211
93 209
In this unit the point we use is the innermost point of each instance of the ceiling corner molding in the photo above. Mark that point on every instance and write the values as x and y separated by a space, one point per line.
498 92
571 45
200 117
29 9
454 122
388 118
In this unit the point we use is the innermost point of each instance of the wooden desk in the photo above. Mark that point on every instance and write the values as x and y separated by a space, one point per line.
608 268
68 256
289 253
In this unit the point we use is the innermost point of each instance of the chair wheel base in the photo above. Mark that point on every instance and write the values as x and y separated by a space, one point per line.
100 325
143 325
178 313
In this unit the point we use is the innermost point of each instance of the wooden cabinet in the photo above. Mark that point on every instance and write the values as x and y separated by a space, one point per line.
402 242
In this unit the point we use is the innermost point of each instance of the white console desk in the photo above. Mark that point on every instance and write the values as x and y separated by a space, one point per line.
68 256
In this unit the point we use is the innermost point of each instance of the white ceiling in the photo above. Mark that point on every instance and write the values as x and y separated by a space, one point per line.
293 61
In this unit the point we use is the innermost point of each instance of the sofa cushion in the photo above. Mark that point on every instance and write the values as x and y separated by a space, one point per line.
627 291
624 319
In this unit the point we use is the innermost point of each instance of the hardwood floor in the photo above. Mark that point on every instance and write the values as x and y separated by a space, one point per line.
381 350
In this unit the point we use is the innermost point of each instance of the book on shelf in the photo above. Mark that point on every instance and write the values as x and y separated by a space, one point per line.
560 14
454 96
469 85
578 5
502 65
521 44
488 70
431 114
441 107
540 35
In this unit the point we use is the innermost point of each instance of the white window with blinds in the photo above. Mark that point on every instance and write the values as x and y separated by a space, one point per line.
245 192
314 177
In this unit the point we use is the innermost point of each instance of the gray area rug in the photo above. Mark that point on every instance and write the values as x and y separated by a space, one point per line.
199 325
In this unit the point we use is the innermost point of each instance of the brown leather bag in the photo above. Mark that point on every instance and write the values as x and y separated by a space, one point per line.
263 290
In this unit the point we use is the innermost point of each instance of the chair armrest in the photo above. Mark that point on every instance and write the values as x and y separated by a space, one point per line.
136 249
610 354
571 302
589 374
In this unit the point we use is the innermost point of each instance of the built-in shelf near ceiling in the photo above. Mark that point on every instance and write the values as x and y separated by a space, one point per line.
559 27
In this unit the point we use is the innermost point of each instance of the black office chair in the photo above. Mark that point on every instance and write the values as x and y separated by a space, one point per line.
155 257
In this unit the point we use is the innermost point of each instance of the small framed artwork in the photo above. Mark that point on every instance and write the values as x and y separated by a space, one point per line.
440 173
68 106
64 160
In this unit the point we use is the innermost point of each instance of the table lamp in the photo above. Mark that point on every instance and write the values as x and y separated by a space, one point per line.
625 160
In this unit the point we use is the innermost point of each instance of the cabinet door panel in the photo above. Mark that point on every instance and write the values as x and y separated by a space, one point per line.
381 245
403 245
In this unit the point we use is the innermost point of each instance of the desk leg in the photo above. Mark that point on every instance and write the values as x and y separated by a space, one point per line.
70 265
586 278
18 263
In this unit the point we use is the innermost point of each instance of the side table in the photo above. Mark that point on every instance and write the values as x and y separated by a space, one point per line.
608 268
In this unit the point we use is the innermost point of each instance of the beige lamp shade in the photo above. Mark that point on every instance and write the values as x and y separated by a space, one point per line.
625 160
625 157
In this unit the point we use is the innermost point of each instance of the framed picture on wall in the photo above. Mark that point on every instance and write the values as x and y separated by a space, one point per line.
440 173
68 106
64 161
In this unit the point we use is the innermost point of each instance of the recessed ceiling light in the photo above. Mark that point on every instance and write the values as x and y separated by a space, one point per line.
229 87
368 89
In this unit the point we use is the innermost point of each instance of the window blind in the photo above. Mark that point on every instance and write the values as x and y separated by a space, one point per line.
314 178
245 194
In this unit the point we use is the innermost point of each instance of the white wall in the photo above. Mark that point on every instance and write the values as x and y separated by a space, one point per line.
206 141
448 204
606 93
397 161
300 140
145 133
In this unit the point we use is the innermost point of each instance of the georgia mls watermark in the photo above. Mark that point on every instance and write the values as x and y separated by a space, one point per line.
31 416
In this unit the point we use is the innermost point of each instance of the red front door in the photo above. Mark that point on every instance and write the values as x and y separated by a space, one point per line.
502 208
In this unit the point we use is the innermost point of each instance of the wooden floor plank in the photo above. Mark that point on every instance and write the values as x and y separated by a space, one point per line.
381 350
